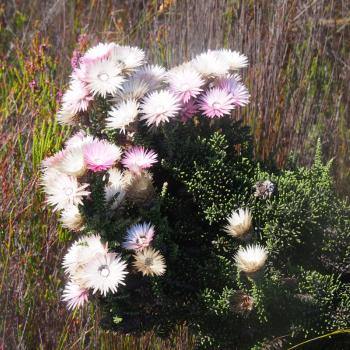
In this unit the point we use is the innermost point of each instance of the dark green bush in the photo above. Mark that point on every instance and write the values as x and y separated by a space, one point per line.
207 169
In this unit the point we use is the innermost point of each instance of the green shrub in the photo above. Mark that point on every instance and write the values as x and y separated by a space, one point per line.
207 170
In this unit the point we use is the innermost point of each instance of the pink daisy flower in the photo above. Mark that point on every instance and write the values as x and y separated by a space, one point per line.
239 92
74 295
138 158
100 155
185 83
188 110
216 103
53 161
139 236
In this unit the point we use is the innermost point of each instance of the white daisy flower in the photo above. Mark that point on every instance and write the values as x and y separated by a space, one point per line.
184 66
234 59
122 115
133 89
65 115
129 58
140 187
49 175
77 96
76 99
209 64
99 52
80 253
216 103
158 107
149 262
251 259
153 75
185 83
53 161
116 187
63 190
239 223
103 77
73 162
104 273
71 218
78 140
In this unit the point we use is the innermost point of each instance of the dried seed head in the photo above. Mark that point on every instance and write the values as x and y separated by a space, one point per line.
241 302
264 189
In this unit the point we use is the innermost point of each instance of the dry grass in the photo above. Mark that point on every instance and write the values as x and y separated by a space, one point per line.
298 78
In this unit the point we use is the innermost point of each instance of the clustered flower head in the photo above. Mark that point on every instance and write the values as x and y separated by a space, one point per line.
89 265
149 262
63 173
251 259
138 158
139 236
122 115
264 189
100 155
239 223
159 107
115 189
241 302
112 94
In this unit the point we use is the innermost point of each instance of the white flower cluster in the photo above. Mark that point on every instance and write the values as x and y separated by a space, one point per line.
131 92
149 93
209 84
63 174
90 265
119 73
